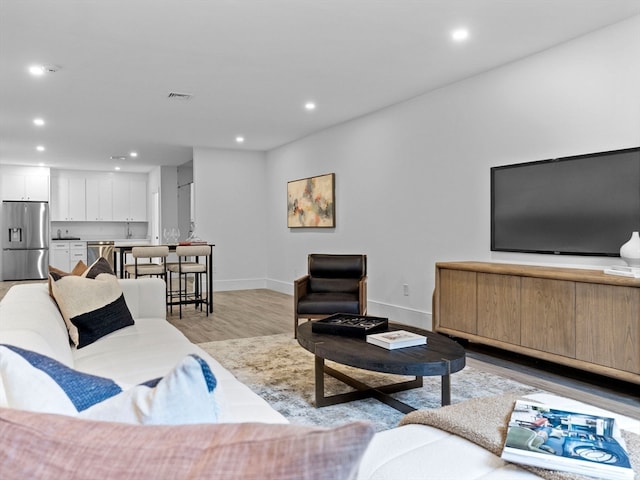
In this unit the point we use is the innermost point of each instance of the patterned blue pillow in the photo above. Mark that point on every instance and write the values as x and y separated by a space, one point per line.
35 382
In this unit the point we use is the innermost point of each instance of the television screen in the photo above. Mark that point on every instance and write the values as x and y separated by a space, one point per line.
582 205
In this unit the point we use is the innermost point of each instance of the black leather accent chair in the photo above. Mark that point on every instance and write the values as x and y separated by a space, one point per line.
334 284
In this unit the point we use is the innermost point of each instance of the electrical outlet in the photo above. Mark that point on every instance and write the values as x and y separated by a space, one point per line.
405 289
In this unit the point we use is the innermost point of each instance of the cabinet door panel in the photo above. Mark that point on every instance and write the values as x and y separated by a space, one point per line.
548 315
76 199
138 195
121 200
457 308
37 188
499 307
59 255
608 325
99 200
59 199
12 187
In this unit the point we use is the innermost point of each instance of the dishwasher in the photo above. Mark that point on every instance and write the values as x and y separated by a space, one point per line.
97 249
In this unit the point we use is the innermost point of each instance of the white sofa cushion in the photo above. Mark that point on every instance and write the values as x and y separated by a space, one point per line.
420 451
153 345
29 308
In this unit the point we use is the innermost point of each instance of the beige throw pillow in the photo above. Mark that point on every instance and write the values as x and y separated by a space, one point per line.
92 305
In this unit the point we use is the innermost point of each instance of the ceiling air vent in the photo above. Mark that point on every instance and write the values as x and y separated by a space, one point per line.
179 96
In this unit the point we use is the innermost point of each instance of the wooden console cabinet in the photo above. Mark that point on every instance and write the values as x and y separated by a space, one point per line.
581 318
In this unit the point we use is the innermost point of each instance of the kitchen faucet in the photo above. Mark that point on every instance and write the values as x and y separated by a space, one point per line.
129 234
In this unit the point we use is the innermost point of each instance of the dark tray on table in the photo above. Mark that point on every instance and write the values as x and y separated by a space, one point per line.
350 325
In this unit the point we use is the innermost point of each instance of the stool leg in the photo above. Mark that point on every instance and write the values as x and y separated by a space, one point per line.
206 302
180 292
198 296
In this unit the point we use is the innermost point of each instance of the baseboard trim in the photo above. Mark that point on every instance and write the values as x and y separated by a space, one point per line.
240 284
400 314
396 313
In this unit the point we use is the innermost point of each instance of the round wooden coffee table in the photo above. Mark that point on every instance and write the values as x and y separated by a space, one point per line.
440 356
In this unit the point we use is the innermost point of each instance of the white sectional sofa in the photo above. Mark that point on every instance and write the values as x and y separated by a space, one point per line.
30 319
150 348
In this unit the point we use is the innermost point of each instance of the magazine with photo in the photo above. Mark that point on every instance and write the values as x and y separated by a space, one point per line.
396 339
569 441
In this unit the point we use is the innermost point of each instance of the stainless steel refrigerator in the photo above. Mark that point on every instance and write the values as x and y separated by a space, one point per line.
25 240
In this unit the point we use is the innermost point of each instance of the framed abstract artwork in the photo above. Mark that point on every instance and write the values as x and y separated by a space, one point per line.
311 202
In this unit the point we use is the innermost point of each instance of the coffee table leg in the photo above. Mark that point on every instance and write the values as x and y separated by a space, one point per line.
446 390
446 386
319 373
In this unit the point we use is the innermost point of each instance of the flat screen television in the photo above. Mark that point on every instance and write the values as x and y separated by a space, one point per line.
581 205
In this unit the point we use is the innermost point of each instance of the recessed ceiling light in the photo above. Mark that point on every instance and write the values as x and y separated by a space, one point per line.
36 70
40 148
133 154
38 121
310 106
119 158
117 168
39 70
239 139
460 34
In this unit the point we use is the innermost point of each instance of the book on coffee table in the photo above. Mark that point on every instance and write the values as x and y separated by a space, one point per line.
396 339
569 441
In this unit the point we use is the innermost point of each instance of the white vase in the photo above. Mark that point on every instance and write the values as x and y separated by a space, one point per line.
630 251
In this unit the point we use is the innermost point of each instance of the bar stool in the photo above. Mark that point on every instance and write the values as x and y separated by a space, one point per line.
148 268
188 263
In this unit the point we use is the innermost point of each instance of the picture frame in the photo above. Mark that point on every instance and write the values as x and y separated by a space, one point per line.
311 202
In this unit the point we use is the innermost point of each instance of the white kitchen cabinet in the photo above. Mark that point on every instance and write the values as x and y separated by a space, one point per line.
21 187
129 200
64 255
59 255
99 199
77 252
68 199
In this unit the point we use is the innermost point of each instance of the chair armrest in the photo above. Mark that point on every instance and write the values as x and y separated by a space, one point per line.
362 294
300 288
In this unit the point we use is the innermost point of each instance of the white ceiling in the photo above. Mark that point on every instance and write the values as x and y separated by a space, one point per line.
250 65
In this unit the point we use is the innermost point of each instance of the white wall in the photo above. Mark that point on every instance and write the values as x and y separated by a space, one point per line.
412 180
230 211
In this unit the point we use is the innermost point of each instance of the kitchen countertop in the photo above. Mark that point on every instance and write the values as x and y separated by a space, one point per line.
132 242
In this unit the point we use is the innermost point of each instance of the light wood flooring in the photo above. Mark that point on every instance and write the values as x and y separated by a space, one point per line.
237 314
252 313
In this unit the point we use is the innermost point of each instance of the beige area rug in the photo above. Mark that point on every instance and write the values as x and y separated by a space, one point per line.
280 371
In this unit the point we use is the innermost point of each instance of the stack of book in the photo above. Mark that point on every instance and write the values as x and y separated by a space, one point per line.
396 339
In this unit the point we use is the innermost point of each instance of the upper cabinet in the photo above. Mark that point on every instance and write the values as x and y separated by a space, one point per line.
129 199
68 199
99 199
24 184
